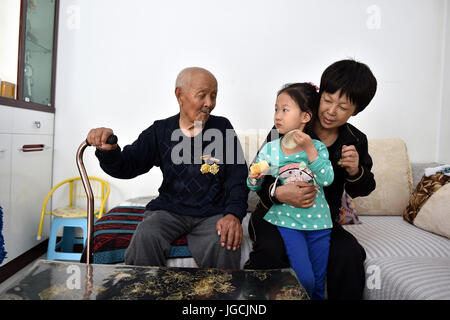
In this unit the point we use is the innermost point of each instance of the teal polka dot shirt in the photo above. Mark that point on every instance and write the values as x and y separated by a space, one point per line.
292 168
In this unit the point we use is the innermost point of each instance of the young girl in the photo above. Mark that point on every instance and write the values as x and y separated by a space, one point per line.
297 157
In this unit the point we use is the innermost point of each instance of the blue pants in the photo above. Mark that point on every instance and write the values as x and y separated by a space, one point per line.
308 255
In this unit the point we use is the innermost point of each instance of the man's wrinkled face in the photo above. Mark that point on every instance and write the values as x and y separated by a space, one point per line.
199 99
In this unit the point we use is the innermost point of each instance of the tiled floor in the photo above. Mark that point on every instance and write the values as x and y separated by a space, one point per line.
8 282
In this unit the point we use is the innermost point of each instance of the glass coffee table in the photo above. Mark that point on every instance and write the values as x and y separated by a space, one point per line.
58 280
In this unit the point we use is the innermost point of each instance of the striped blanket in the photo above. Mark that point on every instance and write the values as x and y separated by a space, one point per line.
113 233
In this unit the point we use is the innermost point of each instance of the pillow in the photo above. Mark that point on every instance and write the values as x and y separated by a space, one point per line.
434 216
393 177
423 191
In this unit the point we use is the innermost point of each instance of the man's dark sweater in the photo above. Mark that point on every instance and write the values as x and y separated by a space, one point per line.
185 190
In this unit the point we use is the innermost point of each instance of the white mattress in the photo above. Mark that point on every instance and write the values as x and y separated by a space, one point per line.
403 261
407 278
391 236
246 246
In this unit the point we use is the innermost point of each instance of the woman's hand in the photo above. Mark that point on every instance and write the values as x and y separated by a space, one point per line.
301 194
97 137
229 229
350 160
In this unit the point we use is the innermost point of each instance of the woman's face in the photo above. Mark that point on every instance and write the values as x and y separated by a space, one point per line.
334 111
288 115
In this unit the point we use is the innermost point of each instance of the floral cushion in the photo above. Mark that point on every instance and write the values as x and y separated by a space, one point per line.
428 206
424 190
70 212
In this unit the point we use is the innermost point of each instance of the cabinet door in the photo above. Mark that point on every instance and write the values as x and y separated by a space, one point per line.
6 119
5 179
31 179
5 170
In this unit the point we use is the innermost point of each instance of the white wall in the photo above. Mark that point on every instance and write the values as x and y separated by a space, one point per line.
117 63
443 117
9 39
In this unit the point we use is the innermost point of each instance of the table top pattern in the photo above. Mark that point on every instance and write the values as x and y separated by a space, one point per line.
57 280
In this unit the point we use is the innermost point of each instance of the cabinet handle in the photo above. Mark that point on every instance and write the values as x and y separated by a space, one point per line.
37 124
33 147
2 150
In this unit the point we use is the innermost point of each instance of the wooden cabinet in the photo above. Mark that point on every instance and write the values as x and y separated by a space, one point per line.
26 173
5 172
26 155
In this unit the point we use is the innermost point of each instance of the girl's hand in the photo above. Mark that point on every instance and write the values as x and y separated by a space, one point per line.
256 175
255 178
350 160
303 140
259 169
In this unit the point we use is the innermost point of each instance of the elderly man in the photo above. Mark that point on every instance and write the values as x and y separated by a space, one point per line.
203 192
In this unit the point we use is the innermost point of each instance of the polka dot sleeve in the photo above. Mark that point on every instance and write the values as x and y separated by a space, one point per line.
321 167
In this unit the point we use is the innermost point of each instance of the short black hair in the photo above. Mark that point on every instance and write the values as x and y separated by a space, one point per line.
353 78
306 97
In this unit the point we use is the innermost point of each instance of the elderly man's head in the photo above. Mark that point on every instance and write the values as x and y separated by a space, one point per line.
196 91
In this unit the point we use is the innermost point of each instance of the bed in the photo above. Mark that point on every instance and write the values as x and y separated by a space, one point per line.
113 232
